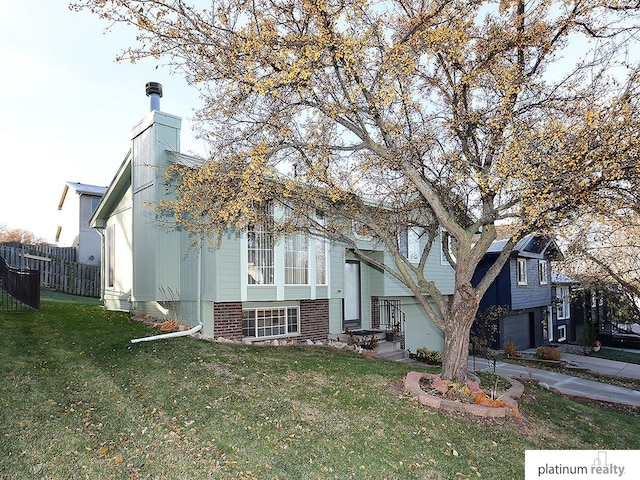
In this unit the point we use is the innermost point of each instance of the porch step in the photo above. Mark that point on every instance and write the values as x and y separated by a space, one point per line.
391 351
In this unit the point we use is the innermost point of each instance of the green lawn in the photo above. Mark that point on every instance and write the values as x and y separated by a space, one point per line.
77 400
619 355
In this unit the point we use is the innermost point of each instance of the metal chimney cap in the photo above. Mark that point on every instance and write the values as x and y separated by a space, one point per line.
153 87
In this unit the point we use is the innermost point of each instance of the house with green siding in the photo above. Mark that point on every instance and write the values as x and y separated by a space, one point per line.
250 287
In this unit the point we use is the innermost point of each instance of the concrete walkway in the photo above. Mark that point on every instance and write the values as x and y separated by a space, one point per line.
605 367
570 385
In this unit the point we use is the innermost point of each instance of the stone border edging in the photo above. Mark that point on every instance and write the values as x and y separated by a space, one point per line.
412 386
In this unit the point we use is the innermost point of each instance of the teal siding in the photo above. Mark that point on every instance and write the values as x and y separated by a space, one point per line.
297 292
144 258
335 289
156 251
189 258
322 291
223 275
419 329
336 271
265 293
377 277
442 275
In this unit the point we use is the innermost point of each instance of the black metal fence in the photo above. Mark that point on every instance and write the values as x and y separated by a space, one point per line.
18 287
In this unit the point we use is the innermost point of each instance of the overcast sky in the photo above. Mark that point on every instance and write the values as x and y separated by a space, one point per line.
66 108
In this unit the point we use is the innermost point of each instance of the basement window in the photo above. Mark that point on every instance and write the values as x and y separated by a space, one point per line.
270 322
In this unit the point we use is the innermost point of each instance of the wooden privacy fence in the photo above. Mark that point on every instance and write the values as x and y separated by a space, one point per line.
57 266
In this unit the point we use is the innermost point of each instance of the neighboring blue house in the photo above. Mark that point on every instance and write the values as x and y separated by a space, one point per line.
566 329
524 287
605 308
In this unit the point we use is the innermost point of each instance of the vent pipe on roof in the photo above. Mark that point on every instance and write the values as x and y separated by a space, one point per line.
154 92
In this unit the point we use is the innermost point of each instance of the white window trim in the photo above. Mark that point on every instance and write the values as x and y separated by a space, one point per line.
562 332
413 245
286 323
543 272
319 245
443 257
110 256
295 270
521 267
564 295
263 273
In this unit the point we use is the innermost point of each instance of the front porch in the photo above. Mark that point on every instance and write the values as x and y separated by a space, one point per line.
388 345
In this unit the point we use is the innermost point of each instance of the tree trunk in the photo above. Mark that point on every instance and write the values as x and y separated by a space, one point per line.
460 317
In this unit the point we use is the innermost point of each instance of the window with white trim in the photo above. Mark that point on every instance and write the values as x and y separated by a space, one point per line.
563 307
296 259
260 243
111 255
446 246
543 271
562 333
409 244
270 322
321 261
403 242
522 271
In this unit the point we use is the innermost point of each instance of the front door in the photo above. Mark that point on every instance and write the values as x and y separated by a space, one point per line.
351 308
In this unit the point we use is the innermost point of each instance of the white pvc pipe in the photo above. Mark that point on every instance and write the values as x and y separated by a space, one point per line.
184 333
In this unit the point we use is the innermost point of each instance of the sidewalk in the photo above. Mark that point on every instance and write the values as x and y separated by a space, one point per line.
605 367
569 385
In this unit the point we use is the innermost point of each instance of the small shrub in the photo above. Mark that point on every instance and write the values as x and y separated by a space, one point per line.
588 338
432 357
370 344
510 349
548 353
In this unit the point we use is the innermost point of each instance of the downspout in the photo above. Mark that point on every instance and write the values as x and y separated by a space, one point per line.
199 287
103 259
184 333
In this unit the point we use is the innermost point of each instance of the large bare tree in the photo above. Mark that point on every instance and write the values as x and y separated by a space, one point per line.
389 115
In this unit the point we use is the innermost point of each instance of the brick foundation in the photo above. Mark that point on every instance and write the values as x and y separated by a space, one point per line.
314 319
227 320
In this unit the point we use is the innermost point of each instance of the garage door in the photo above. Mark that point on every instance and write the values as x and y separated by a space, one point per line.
516 329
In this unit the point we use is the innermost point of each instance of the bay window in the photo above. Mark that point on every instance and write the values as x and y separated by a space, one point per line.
296 260
260 244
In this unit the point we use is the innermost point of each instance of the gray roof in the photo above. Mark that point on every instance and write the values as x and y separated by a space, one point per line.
558 277
85 189
532 245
